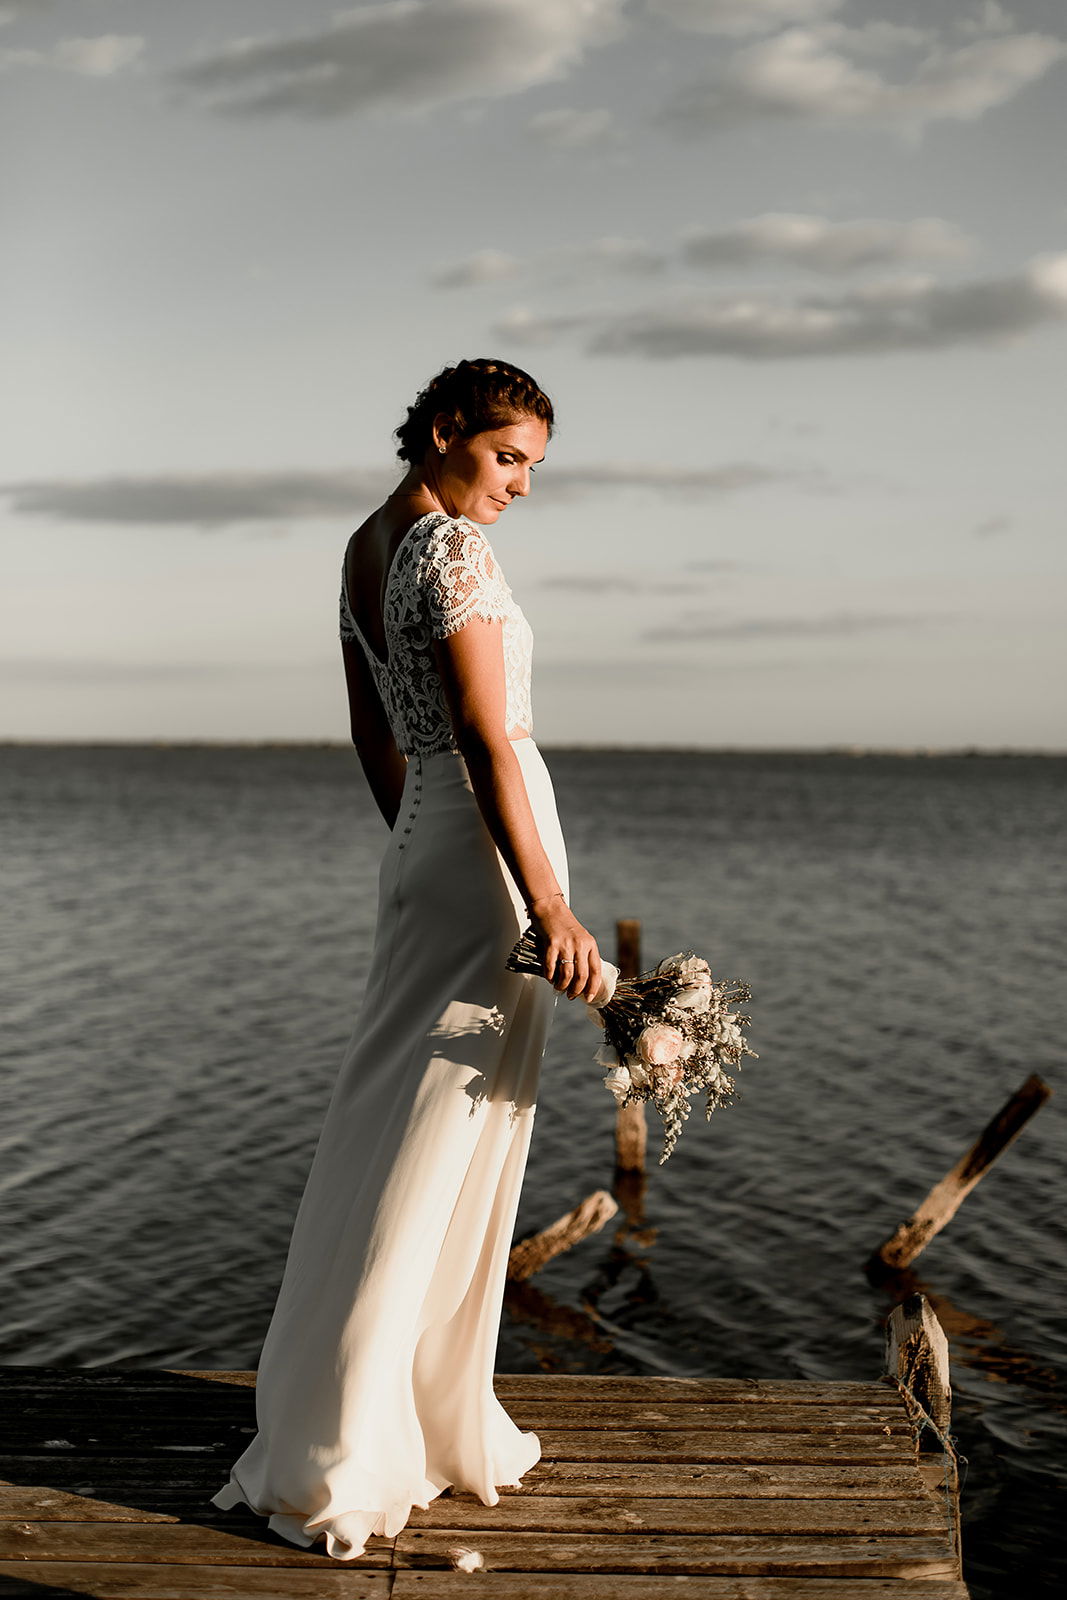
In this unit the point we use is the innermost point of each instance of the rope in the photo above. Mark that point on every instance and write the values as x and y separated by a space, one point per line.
923 1422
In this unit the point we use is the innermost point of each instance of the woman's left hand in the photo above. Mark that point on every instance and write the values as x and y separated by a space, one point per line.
572 958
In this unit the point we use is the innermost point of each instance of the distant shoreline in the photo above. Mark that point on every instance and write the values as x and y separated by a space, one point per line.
843 752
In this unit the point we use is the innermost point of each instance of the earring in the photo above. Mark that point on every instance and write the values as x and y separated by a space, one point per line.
441 450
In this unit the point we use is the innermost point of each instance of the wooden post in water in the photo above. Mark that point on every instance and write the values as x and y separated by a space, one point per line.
530 1255
631 1129
916 1354
946 1197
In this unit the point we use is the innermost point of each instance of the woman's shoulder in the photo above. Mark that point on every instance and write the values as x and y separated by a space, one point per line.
454 539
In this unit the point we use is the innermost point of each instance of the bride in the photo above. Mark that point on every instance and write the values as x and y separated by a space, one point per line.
375 1384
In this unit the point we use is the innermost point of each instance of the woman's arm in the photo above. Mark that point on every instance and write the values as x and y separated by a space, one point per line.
372 736
471 663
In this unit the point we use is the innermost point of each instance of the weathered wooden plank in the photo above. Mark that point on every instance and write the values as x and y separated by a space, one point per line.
624 1444
412 1584
786 1480
66 1470
508 1385
174 1543
121 1495
158 1581
578 1444
596 1514
691 1416
708 1391
128 1422
886 1557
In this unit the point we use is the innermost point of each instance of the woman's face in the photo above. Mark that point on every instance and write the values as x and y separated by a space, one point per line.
479 477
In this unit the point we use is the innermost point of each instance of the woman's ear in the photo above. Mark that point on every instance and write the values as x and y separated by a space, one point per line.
443 431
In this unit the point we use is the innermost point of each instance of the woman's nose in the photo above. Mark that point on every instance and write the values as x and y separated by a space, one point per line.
520 483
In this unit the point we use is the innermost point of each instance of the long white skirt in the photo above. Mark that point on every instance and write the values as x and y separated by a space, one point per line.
375 1385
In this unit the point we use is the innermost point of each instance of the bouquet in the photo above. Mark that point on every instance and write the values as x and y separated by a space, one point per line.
670 1034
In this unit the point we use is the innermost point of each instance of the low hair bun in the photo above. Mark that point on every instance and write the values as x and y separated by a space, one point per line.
477 395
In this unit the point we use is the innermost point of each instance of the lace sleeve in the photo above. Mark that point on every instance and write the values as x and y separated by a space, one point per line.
461 580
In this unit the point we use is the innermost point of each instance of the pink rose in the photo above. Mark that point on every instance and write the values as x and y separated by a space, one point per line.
659 1044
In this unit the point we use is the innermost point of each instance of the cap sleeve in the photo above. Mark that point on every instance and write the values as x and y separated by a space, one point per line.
460 578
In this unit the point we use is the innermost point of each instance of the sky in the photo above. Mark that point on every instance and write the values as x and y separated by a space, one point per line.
794 273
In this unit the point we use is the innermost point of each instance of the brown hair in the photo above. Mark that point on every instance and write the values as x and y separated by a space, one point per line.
477 395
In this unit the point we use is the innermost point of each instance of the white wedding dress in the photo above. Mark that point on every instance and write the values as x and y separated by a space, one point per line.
375 1384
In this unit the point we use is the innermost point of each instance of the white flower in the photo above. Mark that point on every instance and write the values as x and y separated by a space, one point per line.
618 1080
464 1560
692 968
693 997
638 1076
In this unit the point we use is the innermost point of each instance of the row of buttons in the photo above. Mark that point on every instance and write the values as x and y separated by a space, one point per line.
416 793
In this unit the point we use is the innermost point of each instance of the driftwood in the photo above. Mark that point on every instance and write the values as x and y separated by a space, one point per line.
631 1129
530 1255
916 1353
946 1197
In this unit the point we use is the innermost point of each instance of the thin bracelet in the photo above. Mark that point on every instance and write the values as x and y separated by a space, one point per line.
559 895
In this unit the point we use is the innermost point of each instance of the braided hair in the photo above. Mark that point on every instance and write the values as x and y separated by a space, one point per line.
477 395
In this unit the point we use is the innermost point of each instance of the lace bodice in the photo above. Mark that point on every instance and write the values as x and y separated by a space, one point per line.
443 574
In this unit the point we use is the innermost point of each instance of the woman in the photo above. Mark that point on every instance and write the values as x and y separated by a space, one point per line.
375 1385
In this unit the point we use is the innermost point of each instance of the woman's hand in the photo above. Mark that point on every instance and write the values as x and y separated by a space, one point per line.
572 960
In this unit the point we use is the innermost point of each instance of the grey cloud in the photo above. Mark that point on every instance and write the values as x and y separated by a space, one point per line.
216 500
561 483
485 266
569 129
812 74
100 57
820 245
406 56
607 256
837 625
210 500
993 525
739 17
912 313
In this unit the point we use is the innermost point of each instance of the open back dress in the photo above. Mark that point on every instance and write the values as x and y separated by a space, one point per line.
375 1384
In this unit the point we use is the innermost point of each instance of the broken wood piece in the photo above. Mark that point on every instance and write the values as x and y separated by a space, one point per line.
946 1197
916 1353
530 1255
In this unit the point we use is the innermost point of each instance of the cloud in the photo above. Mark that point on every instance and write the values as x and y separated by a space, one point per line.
406 55
609 256
904 313
567 129
221 499
992 18
739 17
711 628
731 477
812 74
824 246
211 500
993 525
101 57
485 266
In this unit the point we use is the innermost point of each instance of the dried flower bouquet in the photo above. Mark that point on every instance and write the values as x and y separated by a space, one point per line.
670 1034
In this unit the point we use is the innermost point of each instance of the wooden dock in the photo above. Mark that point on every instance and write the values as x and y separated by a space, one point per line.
648 1487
